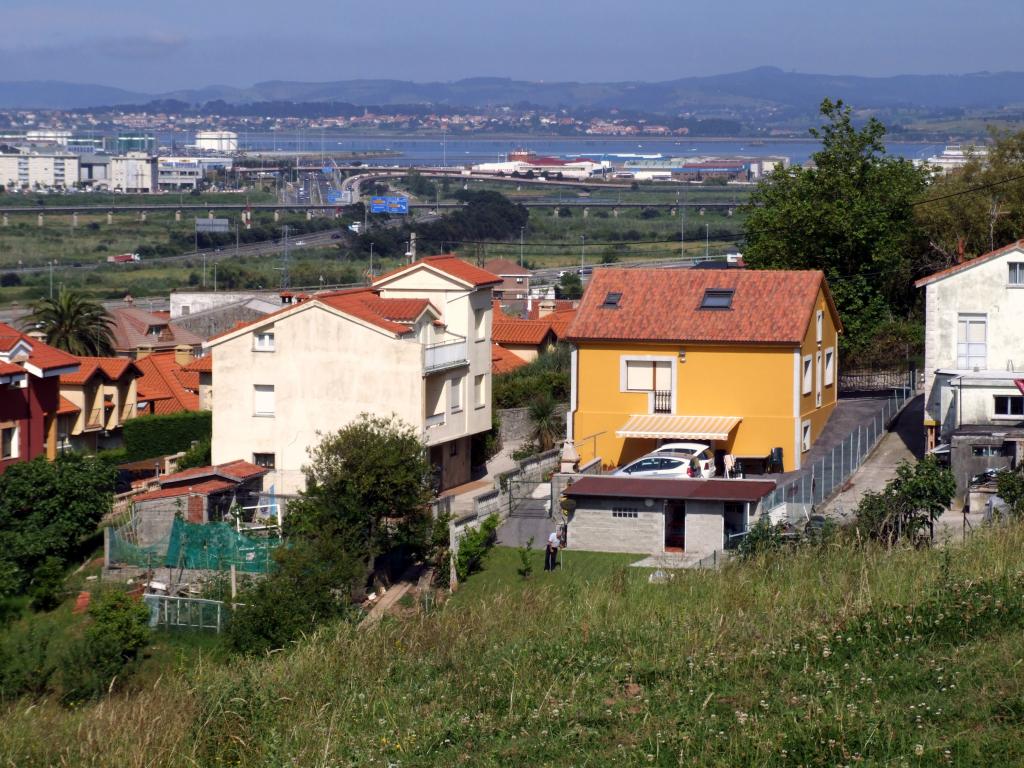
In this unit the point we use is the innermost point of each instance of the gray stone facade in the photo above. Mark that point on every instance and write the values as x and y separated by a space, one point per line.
626 525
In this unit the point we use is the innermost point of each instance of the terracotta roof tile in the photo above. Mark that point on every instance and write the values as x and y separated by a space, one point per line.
520 331
10 369
451 265
560 322
202 364
67 407
768 306
503 361
41 355
1018 245
238 470
205 488
162 383
112 368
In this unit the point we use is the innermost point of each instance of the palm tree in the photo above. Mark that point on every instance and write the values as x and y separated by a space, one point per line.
73 323
544 420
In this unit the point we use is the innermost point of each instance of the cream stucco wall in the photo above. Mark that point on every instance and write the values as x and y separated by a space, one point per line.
325 369
981 290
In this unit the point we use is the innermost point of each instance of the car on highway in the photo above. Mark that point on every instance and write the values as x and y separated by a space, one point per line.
300 242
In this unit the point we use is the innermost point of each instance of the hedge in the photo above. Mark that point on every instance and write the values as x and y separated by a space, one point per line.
148 436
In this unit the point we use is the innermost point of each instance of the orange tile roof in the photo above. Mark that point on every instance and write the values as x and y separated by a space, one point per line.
505 267
561 305
10 369
768 306
238 470
205 488
560 322
202 364
66 406
41 355
520 331
503 361
164 383
112 368
452 265
1018 245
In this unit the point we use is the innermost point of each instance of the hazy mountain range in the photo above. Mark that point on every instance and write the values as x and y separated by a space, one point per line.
760 87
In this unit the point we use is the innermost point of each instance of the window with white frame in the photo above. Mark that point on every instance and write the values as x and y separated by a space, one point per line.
1016 273
972 342
819 324
1009 405
808 375
830 366
455 394
263 399
805 436
9 441
480 324
480 390
263 341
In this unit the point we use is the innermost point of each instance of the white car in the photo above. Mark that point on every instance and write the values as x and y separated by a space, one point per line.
658 466
699 452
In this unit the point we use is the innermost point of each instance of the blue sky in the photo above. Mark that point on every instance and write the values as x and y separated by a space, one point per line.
153 47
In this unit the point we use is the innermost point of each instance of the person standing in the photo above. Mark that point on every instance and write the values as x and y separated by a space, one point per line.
551 552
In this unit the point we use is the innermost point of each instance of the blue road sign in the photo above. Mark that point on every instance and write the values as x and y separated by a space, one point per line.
326 170
333 196
399 205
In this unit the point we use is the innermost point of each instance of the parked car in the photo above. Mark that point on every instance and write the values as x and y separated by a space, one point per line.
658 466
699 452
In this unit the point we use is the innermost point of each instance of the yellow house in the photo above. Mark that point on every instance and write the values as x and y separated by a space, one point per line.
743 360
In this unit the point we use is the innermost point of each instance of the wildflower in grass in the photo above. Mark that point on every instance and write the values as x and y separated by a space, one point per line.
919 749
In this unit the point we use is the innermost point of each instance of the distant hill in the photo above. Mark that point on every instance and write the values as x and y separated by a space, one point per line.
760 87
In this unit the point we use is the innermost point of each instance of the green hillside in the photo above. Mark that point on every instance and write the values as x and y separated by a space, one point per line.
830 656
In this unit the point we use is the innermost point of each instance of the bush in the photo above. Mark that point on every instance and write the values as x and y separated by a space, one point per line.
91 663
474 545
199 455
150 436
47 589
763 538
26 666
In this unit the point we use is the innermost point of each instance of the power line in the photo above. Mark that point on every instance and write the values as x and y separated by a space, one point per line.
969 190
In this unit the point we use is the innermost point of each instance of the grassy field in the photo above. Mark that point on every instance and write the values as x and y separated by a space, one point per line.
834 656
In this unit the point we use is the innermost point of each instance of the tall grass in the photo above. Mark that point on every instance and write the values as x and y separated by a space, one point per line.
843 655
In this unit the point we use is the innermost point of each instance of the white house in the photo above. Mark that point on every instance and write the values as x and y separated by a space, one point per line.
974 360
415 344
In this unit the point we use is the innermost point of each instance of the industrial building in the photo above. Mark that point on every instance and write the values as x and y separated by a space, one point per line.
134 172
217 141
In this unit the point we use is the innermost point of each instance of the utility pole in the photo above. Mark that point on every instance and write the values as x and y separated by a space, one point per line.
521 231
583 249
682 227
285 277
707 241
51 278
371 262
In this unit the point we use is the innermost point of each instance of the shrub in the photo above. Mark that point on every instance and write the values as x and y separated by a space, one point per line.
149 436
198 455
764 537
26 667
474 545
92 662
47 590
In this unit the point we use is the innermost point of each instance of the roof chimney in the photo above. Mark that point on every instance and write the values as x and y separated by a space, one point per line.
959 250
128 299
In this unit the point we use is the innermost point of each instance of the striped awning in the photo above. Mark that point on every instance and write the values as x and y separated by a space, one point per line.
668 425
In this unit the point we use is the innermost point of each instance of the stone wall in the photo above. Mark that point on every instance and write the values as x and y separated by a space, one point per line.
515 423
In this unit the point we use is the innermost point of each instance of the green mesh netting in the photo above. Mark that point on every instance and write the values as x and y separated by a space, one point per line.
209 546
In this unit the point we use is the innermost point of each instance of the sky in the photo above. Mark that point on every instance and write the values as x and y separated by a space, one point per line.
152 47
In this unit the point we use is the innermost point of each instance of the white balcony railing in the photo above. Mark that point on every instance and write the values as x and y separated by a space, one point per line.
450 354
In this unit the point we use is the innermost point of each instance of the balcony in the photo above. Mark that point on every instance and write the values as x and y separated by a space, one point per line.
437 420
662 401
444 355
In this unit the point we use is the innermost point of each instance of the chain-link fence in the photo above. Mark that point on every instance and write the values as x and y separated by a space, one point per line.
817 482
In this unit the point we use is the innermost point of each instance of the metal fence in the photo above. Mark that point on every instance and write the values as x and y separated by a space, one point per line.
186 613
831 471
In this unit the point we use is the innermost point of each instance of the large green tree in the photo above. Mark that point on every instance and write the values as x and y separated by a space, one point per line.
46 510
979 207
370 483
851 215
73 323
